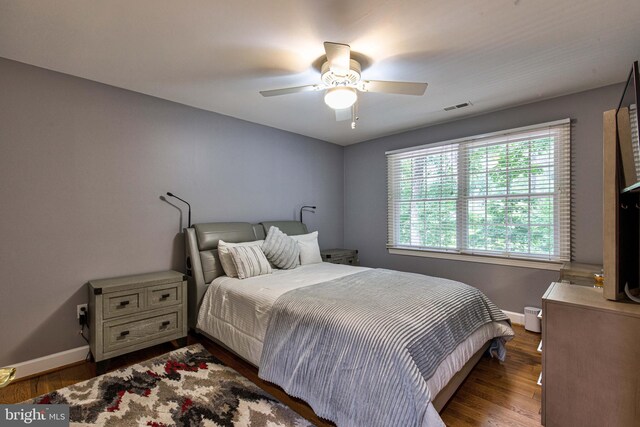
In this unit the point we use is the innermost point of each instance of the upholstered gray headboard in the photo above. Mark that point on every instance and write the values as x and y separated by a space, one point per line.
201 247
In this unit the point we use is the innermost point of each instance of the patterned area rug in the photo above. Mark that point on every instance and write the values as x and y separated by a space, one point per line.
187 387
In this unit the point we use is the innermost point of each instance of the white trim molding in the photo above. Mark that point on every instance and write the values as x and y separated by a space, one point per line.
516 318
52 361
513 262
481 136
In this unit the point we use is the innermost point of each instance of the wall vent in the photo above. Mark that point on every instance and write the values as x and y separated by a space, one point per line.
458 106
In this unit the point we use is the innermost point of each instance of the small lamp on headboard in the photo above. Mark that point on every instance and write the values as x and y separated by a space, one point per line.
182 200
306 208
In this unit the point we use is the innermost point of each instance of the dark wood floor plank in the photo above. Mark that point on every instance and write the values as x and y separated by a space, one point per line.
454 418
48 382
514 402
17 392
506 416
75 374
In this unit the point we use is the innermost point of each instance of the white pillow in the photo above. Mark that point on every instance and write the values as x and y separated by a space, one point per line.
225 256
249 261
281 250
309 248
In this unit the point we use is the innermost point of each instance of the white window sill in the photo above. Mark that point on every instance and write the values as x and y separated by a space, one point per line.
513 262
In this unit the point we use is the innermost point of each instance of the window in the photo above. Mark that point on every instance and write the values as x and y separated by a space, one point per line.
633 121
505 194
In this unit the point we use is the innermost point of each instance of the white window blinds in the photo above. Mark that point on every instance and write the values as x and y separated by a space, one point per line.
503 194
633 121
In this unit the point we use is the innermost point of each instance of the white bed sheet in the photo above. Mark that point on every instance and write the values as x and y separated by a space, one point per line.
236 313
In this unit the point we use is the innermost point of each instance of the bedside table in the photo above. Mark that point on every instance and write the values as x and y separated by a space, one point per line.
340 256
133 312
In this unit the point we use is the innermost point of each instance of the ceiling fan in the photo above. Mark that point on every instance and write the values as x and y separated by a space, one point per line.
341 78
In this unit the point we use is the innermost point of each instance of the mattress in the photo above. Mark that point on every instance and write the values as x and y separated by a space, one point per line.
236 313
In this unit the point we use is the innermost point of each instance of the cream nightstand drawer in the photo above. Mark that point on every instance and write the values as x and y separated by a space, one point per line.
122 303
164 295
119 334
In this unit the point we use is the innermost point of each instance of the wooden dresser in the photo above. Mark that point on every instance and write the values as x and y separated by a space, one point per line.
590 359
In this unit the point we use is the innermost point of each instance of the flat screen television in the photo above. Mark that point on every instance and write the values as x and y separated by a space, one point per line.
628 132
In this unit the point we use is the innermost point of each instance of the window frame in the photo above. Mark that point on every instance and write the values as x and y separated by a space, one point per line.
561 223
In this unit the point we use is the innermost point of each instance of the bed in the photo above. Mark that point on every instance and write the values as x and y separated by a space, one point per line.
236 314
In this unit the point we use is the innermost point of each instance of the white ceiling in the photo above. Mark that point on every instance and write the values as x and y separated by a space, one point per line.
217 55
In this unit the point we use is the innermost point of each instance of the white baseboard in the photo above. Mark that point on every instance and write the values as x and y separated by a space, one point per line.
52 361
516 318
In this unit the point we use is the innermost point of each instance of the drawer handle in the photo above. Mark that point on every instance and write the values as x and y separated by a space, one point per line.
165 323
124 303
165 296
124 333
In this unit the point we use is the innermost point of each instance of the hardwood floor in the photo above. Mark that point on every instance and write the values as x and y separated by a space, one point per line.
494 394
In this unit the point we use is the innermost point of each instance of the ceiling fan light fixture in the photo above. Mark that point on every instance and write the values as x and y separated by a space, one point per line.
340 76
340 97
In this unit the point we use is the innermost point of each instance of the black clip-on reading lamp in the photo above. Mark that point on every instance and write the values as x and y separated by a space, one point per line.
182 200
305 208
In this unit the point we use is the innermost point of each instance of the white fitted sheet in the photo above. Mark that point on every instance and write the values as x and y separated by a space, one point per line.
236 313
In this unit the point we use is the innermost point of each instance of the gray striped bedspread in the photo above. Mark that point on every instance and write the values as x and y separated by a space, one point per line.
360 349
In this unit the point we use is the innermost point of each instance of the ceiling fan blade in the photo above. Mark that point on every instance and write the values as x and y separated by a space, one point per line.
288 90
400 88
338 56
343 114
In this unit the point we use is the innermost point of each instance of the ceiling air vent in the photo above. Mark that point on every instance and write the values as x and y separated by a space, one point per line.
458 106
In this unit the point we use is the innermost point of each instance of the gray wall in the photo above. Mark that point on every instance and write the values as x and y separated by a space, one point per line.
82 166
511 288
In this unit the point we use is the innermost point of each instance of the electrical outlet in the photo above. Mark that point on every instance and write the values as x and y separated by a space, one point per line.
79 310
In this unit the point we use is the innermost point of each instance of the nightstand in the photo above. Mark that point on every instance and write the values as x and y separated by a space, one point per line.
134 312
340 256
